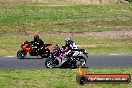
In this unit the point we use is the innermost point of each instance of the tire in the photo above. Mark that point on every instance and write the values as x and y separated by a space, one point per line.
48 63
21 54
73 65
82 61
33 53
45 53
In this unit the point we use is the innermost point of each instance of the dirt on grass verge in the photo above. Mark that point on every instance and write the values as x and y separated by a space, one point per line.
102 34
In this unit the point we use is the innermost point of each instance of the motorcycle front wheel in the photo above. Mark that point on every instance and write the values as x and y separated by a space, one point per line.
21 54
49 63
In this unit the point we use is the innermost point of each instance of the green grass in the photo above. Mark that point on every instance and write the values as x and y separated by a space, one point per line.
19 21
9 46
20 18
55 78
25 19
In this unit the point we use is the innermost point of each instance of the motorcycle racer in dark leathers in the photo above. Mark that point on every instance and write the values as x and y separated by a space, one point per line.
34 48
38 43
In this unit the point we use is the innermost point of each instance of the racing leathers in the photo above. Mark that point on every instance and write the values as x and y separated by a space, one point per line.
37 45
70 47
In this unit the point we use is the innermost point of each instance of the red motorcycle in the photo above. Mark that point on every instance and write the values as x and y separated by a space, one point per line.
29 47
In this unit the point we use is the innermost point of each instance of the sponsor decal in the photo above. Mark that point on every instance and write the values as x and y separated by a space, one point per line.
83 78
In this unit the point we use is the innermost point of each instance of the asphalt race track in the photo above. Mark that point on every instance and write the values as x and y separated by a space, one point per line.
94 61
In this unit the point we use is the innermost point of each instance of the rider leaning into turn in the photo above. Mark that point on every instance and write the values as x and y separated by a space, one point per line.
70 45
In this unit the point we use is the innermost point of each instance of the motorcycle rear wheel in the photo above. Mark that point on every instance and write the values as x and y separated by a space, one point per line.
77 62
82 61
45 53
